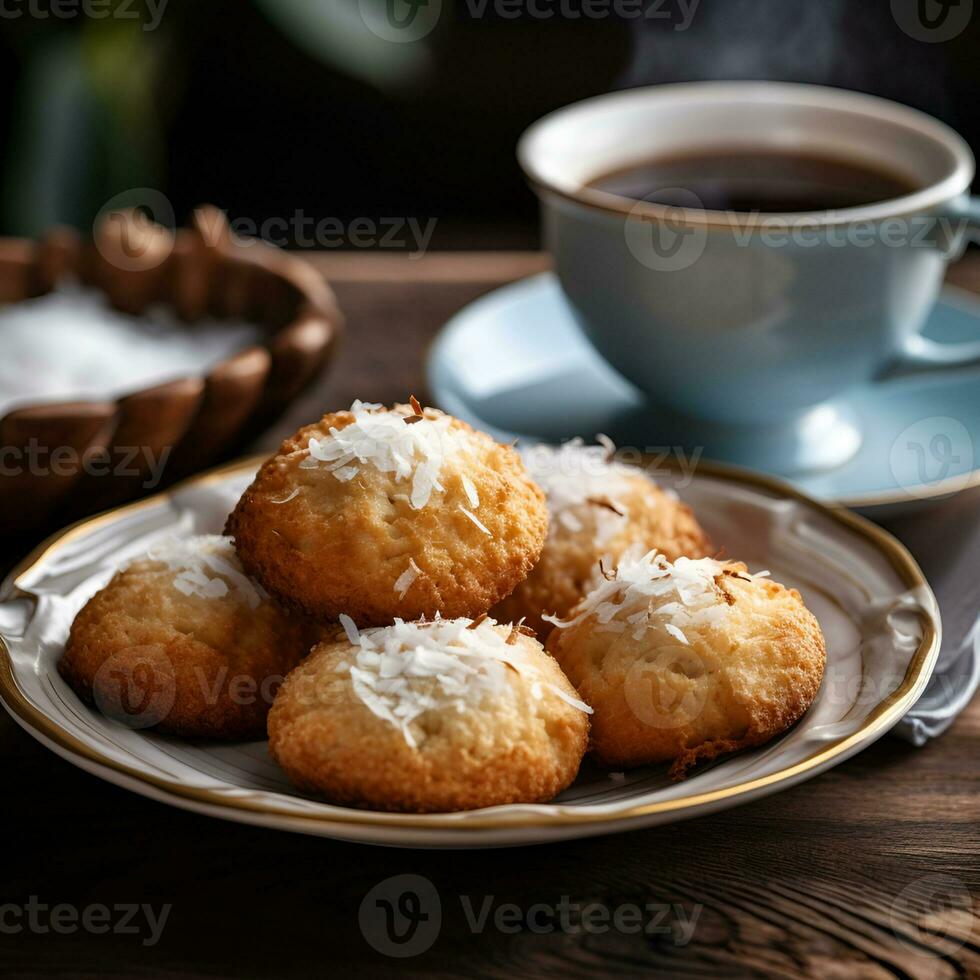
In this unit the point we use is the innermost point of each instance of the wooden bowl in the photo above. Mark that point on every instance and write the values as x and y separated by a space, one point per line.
200 271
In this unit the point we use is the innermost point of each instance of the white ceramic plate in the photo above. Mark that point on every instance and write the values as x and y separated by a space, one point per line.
877 612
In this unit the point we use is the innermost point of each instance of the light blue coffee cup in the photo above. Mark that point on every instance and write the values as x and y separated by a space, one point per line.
746 331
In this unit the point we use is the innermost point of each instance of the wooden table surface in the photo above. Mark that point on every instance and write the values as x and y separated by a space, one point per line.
821 880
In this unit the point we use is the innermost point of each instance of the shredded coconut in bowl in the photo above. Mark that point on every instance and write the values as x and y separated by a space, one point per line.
402 441
402 671
207 566
647 590
71 344
583 485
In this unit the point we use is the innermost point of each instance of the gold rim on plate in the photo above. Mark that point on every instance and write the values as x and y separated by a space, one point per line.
884 715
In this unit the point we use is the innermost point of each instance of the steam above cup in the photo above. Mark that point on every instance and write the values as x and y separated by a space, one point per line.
745 330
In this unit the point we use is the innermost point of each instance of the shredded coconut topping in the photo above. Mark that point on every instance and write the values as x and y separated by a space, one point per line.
470 489
285 500
647 590
402 671
405 580
476 520
382 438
582 484
208 566
353 637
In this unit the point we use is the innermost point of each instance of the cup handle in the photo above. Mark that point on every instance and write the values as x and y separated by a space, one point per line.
921 354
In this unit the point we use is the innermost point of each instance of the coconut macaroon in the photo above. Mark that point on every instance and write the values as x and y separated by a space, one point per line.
184 641
382 513
689 660
422 717
599 507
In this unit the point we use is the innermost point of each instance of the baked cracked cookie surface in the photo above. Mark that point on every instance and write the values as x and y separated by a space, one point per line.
423 717
182 640
688 660
382 513
598 509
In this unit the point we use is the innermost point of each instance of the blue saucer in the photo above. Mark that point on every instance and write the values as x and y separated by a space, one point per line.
515 364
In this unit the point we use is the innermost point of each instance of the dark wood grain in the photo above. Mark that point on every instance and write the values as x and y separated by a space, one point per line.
819 881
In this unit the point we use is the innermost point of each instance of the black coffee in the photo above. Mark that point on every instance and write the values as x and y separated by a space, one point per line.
769 182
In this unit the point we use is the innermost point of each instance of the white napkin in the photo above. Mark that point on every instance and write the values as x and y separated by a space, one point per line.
949 691
945 540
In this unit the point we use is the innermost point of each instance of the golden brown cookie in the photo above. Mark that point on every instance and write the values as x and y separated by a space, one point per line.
381 513
450 715
598 509
184 641
689 660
